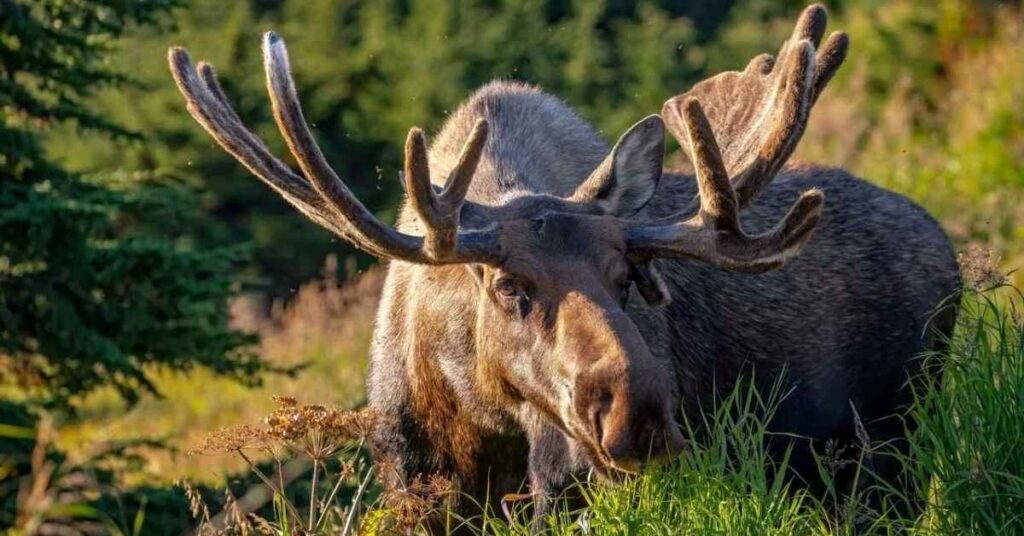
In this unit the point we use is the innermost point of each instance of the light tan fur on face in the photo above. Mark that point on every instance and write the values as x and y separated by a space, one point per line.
576 356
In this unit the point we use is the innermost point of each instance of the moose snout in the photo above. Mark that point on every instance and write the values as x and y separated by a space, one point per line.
633 429
622 395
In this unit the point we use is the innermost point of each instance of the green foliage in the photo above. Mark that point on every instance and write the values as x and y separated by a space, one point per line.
930 104
98 277
968 441
17 433
42 491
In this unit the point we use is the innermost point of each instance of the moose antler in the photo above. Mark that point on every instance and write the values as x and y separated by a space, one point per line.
715 235
324 198
760 114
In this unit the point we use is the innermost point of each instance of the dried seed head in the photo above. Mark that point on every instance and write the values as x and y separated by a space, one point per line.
285 401
387 472
262 526
235 518
979 267
232 439
411 504
196 505
438 486
316 430
286 423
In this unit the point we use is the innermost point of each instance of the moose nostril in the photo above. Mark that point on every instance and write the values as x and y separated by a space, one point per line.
599 412
633 437
612 431
605 400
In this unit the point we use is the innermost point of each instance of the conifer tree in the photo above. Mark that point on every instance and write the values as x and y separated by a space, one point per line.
99 276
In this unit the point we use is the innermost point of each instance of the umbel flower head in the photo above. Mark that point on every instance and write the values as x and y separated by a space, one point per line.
314 430
233 439
979 267
411 504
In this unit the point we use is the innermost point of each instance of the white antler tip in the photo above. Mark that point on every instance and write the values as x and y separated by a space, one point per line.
274 49
812 201
818 10
178 56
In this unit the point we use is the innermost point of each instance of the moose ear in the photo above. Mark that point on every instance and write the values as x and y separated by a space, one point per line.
627 178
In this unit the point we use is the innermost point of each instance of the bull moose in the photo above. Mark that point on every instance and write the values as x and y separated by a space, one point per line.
510 344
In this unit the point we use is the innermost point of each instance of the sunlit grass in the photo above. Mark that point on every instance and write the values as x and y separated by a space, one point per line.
970 441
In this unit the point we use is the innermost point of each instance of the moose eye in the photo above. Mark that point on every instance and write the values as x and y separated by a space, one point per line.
507 288
512 295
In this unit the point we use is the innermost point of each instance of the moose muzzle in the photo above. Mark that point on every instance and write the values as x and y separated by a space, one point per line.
622 396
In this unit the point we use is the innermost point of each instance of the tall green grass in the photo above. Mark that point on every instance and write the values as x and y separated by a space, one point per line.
971 439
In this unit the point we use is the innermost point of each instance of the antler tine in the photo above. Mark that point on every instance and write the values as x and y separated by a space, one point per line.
441 243
238 129
207 104
439 212
720 207
760 113
811 26
285 179
718 203
830 57
790 119
457 185
380 239
324 198
715 235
